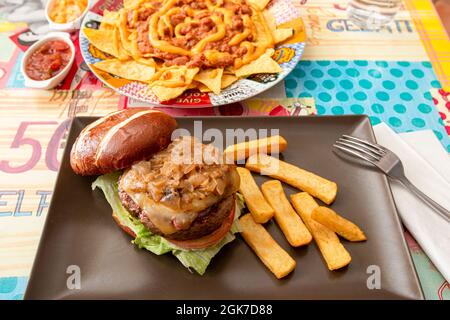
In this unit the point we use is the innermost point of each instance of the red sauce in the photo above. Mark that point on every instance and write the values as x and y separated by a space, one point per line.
48 60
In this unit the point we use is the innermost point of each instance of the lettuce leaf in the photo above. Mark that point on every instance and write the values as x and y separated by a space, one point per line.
197 260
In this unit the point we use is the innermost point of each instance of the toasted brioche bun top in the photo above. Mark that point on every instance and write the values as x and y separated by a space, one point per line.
119 139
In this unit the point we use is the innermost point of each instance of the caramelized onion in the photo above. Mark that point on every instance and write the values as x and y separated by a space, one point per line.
180 181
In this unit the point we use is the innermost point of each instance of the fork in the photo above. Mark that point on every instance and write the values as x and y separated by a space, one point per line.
389 163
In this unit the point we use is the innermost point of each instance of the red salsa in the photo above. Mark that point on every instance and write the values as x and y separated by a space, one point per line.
48 60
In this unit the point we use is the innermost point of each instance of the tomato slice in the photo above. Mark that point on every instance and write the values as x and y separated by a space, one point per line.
124 228
210 239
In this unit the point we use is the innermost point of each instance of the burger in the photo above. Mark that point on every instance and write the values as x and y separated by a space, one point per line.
170 195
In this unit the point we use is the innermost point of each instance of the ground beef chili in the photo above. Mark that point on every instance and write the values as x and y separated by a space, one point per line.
194 31
48 60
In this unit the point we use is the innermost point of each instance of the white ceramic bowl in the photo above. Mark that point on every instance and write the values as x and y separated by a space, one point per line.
52 82
69 26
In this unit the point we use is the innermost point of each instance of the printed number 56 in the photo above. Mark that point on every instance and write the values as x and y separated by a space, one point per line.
36 148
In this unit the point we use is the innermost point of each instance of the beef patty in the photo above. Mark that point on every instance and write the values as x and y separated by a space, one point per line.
206 222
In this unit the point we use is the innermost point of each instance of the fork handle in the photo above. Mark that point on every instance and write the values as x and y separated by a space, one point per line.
444 213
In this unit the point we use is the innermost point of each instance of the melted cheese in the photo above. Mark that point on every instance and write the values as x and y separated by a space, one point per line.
219 35
153 32
171 193
162 216
255 26
264 40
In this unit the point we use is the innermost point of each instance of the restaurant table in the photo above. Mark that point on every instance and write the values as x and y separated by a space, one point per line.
399 75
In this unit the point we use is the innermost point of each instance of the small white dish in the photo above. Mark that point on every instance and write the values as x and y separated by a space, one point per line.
52 82
68 26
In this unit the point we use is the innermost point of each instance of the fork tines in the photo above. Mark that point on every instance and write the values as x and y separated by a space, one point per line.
360 148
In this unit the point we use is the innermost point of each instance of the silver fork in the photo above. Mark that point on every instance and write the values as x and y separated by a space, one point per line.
389 163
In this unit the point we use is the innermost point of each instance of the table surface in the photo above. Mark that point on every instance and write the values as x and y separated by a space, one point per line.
399 75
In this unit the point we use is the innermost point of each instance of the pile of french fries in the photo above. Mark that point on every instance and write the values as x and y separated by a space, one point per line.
301 219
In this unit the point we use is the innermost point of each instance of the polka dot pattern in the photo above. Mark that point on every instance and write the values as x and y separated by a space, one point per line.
357 109
328 84
342 96
411 84
388 85
395 122
377 108
338 110
360 96
382 96
366 84
346 84
399 108
12 288
396 73
395 92
310 85
8 285
374 73
424 108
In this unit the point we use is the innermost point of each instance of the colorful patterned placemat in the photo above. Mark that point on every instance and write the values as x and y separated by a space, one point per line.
397 93
393 75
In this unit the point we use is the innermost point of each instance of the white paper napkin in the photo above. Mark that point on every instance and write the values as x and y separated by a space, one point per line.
426 144
425 168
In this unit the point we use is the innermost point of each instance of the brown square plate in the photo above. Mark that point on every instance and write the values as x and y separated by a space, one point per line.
80 231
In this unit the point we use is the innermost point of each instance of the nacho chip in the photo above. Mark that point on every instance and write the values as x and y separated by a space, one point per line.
228 70
279 35
109 20
228 80
130 69
212 78
264 36
299 30
201 87
260 4
264 64
172 81
96 53
131 4
165 93
135 53
110 17
270 20
175 76
103 40
124 33
190 74
105 27
195 85
147 61
121 52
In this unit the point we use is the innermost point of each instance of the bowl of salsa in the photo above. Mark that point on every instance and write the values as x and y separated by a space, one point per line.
66 15
47 62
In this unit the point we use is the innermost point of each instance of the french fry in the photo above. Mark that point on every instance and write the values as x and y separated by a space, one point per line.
271 254
256 204
333 252
290 223
338 224
315 185
240 151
